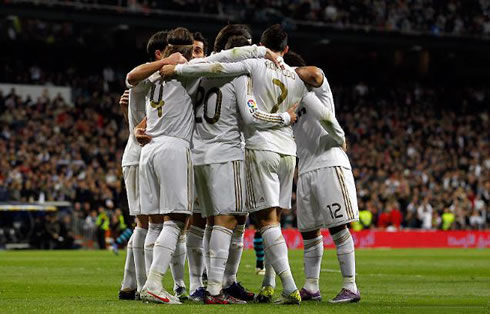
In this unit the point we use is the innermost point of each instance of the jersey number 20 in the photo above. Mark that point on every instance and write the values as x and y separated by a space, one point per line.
203 99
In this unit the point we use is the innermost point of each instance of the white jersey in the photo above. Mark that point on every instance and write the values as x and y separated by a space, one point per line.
136 113
169 110
316 147
276 90
222 105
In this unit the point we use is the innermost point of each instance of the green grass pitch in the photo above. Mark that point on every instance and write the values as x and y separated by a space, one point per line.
407 280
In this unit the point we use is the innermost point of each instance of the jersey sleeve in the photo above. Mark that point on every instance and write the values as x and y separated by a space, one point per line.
144 85
326 117
247 105
325 95
236 54
214 69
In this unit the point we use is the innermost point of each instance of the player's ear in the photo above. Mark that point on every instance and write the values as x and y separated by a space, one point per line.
286 50
158 54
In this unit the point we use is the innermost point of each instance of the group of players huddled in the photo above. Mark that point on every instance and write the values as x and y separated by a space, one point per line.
231 125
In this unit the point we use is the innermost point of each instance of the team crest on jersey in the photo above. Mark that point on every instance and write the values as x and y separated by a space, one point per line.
251 104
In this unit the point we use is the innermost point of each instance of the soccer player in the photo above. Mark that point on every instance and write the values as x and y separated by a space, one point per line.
326 191
200 46
166 174
270 154
134 269
190 242
133 105
218 159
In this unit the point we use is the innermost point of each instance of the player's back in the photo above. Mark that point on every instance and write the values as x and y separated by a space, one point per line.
169 109
276 90
316 147
217 137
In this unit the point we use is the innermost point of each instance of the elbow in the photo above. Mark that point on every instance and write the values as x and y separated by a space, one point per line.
316 78
131 79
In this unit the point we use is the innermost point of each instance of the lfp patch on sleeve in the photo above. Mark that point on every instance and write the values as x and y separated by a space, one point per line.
252 105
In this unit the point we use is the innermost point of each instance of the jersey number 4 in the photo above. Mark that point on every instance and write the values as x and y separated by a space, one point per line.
203 99
158 105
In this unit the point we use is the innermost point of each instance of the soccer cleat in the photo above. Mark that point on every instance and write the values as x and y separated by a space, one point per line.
309 296
265 295
260 271
198 295
182 294
161 296
137 296
237 291
293 298
221 299
127 294
346 296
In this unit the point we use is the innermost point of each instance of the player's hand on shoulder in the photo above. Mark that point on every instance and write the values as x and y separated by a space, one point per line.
167 72
141 137
124 100
176 58
292 113
275 58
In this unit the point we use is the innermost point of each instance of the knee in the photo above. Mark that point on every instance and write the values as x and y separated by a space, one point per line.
142 222
337 229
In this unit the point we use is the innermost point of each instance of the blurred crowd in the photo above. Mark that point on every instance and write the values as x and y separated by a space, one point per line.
455 17
421 156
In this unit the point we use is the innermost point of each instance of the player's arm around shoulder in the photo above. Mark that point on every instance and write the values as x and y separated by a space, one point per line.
143 71
311 75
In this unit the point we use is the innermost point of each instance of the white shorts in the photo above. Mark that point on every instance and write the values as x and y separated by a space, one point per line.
166 177
269 179
131 181
326 198
221 188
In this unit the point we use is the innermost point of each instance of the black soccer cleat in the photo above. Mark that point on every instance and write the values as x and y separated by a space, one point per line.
127 294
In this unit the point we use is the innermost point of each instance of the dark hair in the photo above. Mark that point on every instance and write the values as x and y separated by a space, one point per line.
157 41
199 37
237 41
275 38
228 31
179 40
293 59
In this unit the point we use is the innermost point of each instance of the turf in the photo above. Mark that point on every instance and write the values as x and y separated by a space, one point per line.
423 280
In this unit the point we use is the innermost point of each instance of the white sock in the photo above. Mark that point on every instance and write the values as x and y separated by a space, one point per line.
236 249
162 253
277 253
178 263
195 257
219 248
313 253
205 245
270 274
129 278
347 261
139 237
152 235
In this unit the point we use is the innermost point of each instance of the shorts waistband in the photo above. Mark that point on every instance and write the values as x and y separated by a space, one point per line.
170 139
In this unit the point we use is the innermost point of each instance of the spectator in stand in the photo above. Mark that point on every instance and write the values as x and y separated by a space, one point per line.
103 225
